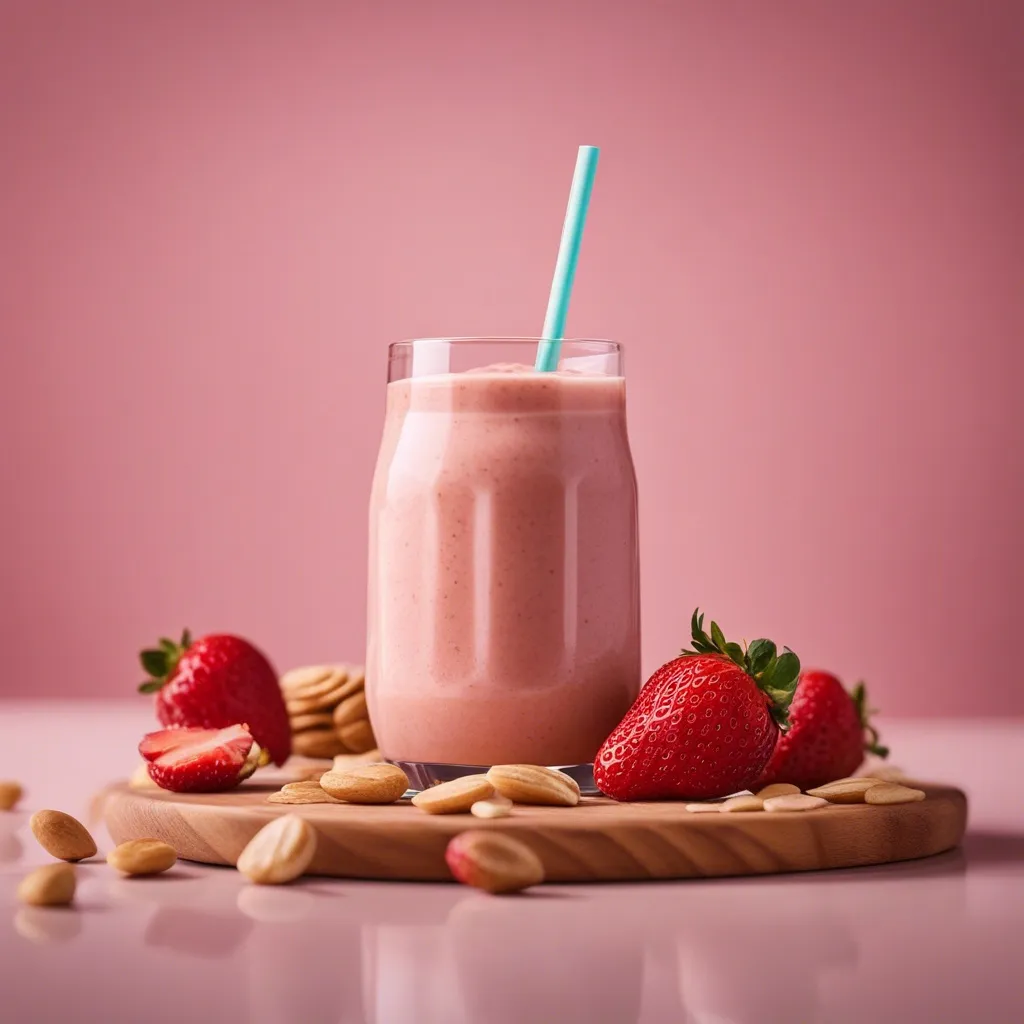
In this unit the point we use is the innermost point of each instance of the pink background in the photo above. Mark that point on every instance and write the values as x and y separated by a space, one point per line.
808 230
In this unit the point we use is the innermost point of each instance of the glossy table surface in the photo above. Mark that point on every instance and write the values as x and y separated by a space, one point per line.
938 940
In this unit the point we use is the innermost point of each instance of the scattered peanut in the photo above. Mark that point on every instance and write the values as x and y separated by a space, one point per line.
62 836
845 791
10 794
887 773
705 808
493 861
142 857
301 793
495 807
533 784
777 789
366 784
892 793
279 852
454 797
52 885
794 802
739 804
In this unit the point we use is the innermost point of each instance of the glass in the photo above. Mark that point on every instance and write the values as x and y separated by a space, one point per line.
504 607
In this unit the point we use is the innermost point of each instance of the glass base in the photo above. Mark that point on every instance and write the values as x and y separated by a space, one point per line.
424 774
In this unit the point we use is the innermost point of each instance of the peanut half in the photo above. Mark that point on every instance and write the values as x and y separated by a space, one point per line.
142 857
777 789
10 793
887 773
892 793
366 784
741 804
494 807
493 861
62 836
308 792
705 808
845 791
454 797
533 784
52 885
794 802
279 852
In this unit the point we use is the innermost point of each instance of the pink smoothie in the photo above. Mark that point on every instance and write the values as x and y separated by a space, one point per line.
504 614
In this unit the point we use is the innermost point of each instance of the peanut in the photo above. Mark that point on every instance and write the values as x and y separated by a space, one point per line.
887 773
366 784
494 807
279 852
892 793
794 802
142 857
777 789
533 784
454 797
62 836
10 794
845 791
52 885
302 793
705 808
740 804
493 861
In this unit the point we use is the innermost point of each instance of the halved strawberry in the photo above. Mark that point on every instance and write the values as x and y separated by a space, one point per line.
200 760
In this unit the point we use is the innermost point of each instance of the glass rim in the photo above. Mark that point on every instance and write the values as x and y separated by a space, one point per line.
596 345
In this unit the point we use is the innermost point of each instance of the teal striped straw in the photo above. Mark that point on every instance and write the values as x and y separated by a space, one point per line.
568 255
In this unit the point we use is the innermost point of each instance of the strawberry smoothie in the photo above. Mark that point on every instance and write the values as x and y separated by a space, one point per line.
504 621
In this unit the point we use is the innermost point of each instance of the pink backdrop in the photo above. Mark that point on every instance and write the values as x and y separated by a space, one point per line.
808 230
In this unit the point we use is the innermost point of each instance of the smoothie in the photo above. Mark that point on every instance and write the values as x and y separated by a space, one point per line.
504 615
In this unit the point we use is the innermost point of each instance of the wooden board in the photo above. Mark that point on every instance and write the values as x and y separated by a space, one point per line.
598 841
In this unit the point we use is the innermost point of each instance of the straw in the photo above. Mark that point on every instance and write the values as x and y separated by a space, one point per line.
568 255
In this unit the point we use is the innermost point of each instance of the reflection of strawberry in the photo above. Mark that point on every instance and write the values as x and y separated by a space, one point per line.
200 760
704 725
218 681
826 739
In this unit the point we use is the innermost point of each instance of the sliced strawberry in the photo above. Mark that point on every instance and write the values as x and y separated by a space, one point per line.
156 744
199 760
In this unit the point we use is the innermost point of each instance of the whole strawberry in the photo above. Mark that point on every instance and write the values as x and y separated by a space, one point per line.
704 725
215 682
829 732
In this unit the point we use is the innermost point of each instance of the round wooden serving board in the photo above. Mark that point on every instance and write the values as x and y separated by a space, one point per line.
600 840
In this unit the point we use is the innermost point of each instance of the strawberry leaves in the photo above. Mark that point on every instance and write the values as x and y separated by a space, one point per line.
860 700
775 674
160 663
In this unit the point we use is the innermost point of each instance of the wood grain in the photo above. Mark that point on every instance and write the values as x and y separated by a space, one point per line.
599 840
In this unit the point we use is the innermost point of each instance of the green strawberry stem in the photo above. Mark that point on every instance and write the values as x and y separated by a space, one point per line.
860 699
160 663
775 674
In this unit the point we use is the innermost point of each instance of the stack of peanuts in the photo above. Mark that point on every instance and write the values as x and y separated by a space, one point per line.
327 708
